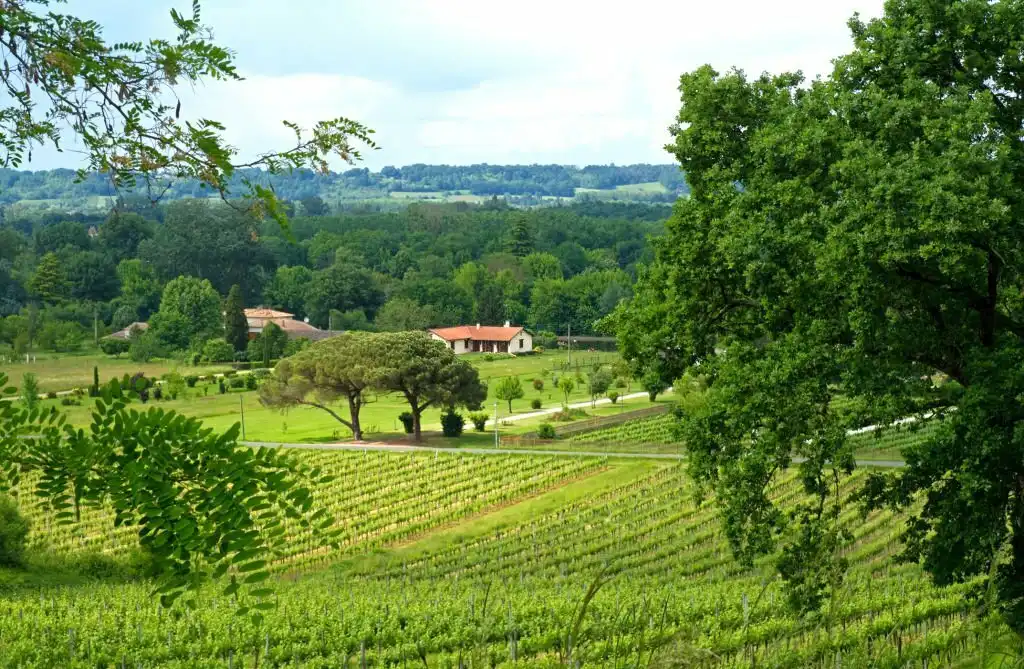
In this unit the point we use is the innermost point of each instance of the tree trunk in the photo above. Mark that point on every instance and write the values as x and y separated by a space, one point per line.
354 405
510 406
416 411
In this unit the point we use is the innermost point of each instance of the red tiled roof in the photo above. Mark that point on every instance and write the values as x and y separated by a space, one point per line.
286 324
477 333
261 312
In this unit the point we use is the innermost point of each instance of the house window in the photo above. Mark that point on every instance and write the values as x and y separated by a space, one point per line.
520 343
453 346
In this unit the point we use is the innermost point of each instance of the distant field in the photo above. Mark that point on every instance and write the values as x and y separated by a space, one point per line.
57 372
624 190
417 195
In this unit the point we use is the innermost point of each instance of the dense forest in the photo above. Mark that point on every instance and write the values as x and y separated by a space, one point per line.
63 279
361 183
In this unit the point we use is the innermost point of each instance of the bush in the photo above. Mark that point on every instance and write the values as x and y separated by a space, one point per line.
653 384
538 349
489 357
620 382
250 382
613 396
535 403
546 431
543 340
407 420
479 419
220 385
61 336
13 533
295 345
237 382
566 415
114 347
538 384
452 424
51 395
218 350
144 347
158 393
191 380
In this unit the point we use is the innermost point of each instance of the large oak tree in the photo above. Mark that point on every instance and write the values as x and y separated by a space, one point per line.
857 236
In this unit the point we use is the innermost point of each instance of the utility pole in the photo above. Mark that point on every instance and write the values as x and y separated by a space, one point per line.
496 425
241 410
569 342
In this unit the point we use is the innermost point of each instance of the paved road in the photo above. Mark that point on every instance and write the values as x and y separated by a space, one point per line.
578 405
405 448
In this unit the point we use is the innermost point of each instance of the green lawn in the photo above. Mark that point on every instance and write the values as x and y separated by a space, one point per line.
379 416
57 371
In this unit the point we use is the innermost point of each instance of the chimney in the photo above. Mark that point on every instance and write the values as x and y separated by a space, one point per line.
508 324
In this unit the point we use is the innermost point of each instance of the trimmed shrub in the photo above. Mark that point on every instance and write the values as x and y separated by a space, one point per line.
452 424
237 382
218 350
407 420
535 403
191 380
546 431
538 384
220 386
13 532
250 382
479 419
613 396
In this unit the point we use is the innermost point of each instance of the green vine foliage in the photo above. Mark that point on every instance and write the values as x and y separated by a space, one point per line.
205 507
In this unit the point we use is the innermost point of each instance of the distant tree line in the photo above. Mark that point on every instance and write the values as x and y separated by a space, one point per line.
67 280
482 179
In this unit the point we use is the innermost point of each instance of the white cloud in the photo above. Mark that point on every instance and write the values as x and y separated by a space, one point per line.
461 81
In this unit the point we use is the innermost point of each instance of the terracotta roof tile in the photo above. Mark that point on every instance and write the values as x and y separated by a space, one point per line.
478 333
261 312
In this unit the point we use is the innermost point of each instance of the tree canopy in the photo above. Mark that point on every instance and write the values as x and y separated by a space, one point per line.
342 367
427 373
857 236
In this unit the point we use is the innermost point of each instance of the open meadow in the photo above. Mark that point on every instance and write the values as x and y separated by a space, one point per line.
379 415
58 372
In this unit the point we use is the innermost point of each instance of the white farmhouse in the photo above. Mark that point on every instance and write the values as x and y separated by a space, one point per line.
485 339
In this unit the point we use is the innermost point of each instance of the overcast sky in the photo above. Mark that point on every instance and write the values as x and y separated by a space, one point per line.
466 81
